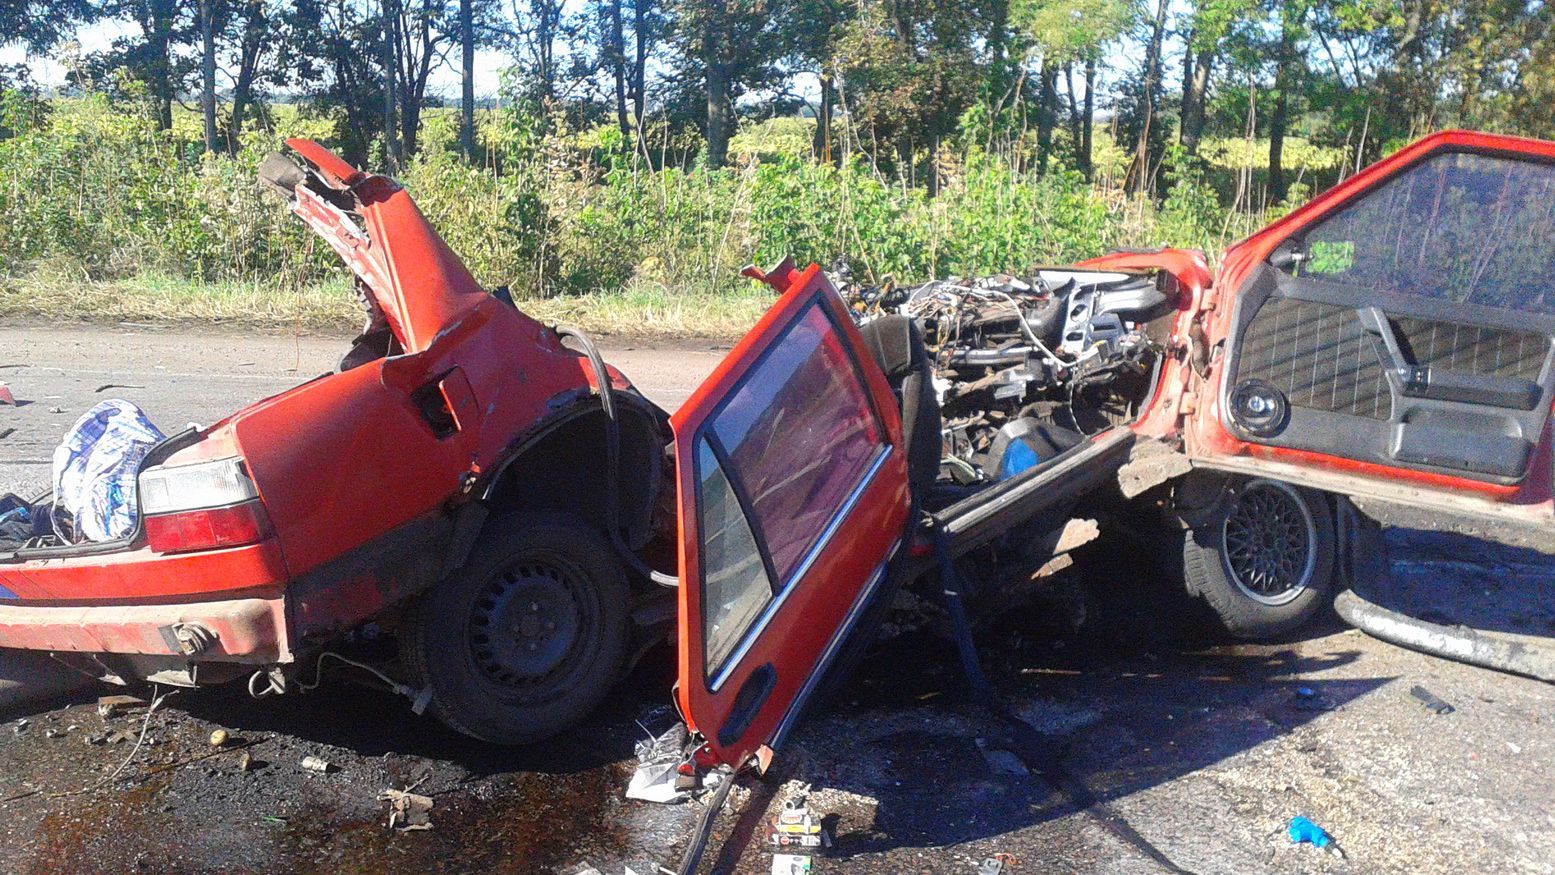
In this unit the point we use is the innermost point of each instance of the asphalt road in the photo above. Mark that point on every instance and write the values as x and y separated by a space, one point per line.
1156 750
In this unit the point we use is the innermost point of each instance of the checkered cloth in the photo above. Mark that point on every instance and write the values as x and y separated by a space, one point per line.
96 465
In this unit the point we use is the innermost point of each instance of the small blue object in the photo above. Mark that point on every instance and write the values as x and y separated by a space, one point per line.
1018 457
1303 830
1305 692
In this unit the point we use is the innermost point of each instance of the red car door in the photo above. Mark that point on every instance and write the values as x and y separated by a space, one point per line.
1395 337
792 500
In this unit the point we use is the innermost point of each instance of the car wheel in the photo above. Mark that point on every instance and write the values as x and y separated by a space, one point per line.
528 637
1263 562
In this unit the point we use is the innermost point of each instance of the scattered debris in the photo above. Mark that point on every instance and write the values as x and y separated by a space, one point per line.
995 865
109 707
317 764
245 762
1430 701
54 732
796 826
658 776
5 395
790 864
219 738
21 726
106 386
1304 831
1309 699
6 432
408 811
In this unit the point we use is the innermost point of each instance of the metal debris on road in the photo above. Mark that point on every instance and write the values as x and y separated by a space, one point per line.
317 764
112 706
408 811
1431 702
1304 831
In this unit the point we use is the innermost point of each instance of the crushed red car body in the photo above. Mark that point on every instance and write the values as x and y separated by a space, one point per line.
506 502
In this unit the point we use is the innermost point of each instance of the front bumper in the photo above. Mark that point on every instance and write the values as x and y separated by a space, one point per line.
250 631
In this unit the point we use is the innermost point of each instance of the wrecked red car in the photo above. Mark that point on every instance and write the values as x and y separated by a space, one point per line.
508 504
460 453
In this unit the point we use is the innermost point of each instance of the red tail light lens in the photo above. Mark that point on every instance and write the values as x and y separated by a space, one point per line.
208 529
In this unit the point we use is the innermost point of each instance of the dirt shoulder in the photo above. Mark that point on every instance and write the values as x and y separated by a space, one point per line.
639 313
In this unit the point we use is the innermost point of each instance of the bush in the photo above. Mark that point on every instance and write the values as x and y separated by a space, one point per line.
99 191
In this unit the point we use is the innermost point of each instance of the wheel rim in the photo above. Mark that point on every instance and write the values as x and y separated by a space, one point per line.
1269 540
532 627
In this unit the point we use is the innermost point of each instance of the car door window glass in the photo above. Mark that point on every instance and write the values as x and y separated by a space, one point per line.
1462 227
735 585
799 434
776 463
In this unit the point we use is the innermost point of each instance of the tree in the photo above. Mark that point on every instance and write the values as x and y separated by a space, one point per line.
1060 33
912 68
1290 17
148 58
208 71
730 46
1210 24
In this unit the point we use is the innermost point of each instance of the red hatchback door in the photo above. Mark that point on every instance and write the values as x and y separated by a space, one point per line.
792 500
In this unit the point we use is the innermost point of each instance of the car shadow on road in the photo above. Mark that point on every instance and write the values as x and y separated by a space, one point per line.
352 711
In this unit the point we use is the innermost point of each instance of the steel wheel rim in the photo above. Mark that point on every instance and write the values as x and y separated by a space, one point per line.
1269 543
531 627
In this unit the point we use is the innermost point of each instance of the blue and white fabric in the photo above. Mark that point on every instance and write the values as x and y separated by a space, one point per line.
96 466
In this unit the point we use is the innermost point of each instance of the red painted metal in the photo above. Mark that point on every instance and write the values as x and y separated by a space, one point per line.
346 459
818 605
1162 418
248 630
1208 437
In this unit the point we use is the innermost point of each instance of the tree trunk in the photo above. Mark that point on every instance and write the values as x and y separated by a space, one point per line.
208 71
249 53
467 71
391 151
618 72
161 39
1088 119
933 177
641 37
1074 110
719 115
1279 120
1150 85
1047 111
821 146
1195 89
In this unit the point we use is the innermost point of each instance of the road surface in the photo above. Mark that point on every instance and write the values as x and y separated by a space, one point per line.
1159 751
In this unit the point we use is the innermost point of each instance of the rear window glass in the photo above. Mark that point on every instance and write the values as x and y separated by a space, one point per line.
1458 227
776 463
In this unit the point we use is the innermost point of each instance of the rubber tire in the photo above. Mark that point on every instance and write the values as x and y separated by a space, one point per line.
435 647
1234 612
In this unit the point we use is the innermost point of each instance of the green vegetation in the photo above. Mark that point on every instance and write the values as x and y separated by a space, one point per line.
641 151
106 218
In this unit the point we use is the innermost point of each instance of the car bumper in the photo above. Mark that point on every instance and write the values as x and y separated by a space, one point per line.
247 631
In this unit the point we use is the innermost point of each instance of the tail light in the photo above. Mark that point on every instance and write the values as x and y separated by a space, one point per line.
201 507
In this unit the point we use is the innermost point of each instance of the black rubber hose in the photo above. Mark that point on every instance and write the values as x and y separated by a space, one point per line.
607 401
704 831
1459 643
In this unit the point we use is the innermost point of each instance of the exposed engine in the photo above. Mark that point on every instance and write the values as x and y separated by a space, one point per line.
1026 367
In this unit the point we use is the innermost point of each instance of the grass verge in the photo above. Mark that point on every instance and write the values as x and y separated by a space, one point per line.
639 310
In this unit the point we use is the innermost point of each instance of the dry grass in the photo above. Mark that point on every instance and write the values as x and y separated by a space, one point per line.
641 310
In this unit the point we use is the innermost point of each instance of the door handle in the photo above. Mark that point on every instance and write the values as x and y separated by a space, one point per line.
747 704
1416 381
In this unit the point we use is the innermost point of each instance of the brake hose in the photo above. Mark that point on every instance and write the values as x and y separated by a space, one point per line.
607 403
